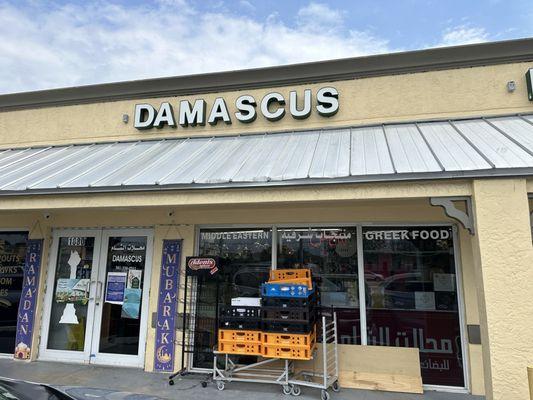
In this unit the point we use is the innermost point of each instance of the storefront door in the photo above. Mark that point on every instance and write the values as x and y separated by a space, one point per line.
96 307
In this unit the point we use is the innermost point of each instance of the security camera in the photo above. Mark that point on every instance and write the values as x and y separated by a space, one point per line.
171 213
47 216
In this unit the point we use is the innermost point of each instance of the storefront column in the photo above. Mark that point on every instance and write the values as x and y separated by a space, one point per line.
504 275
161 232
40 230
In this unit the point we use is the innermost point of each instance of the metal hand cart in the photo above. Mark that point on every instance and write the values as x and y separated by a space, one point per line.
282 371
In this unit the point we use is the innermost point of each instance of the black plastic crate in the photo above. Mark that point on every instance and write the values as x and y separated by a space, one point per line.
278 326
248 324
286 302
293 313
239 311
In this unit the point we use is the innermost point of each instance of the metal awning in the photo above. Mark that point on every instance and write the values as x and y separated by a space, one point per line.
500 146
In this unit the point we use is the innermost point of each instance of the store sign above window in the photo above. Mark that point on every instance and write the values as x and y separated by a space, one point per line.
273 106
529 80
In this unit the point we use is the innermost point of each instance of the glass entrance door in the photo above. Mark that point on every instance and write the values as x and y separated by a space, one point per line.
121 312
69 301
97 309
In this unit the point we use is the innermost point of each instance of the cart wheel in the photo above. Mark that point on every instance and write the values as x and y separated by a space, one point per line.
204 384
220 385
324 395
286 389
296 391
171 382
336 386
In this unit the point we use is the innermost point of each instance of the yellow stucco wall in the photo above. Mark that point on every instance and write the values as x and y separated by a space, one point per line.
503 275
184 198
433 94
185 219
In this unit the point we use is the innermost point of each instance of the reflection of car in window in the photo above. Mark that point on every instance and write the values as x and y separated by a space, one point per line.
398 291
247 279
10 291
341 290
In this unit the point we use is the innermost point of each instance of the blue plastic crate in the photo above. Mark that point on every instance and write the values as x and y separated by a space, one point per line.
285 290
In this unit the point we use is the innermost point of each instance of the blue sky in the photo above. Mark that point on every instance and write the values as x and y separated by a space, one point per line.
407 24
49 44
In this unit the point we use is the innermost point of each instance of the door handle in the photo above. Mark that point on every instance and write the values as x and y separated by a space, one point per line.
99 286
89 290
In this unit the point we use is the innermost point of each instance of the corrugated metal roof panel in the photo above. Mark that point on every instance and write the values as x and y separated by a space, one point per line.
195 165
245 148
57 164
502 152
529 118
370 153
451 149
426 150
96 154
295 159
257 167
85 177
10 157
409 151
152 151
169 166
332 155
517 130
26 167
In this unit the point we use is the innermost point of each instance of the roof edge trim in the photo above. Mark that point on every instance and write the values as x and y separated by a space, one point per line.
524 172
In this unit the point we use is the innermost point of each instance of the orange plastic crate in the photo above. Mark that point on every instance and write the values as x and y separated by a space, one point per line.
296 276
289 352
225 335
283 274
246 348
283 339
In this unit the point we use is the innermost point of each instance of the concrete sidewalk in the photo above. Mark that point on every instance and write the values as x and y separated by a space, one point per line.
92 382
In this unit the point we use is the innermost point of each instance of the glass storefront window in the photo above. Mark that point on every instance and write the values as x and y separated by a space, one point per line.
12 254
68 318
331 254
411 278
410 286
246 259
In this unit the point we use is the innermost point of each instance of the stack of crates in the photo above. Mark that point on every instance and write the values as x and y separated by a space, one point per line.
289 315
240 330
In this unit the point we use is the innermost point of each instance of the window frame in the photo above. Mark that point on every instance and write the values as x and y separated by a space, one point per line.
361 279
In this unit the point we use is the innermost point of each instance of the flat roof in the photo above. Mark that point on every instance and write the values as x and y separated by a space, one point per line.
520 50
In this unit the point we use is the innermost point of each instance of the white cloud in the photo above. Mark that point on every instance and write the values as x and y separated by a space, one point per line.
463 34
246 5
46 46
319 17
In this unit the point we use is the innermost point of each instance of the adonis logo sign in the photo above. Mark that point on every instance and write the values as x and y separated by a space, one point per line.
202 264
